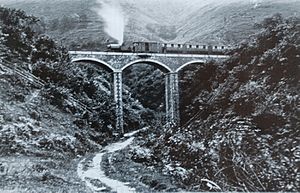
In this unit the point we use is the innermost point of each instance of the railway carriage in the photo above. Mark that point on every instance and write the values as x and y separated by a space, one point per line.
167 48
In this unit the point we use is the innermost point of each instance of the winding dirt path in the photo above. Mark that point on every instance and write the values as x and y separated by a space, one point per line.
90 171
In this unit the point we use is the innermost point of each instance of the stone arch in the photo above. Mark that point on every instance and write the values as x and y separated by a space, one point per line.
191 62
100 62
158 64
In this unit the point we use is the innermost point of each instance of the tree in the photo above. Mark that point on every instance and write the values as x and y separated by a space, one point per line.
21 39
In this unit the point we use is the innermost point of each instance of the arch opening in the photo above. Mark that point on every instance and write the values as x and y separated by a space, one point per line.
90 82
101 63
145 83
164 68
190 63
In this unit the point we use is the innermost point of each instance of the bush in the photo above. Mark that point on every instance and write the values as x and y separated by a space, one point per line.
239 118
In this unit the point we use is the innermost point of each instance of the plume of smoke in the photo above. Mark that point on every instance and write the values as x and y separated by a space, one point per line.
115 20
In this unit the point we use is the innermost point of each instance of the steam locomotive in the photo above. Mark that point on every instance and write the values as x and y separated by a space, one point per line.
165 48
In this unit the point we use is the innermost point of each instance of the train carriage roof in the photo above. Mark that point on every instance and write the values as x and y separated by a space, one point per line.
151 42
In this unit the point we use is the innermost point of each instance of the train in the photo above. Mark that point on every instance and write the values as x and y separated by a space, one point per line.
167 48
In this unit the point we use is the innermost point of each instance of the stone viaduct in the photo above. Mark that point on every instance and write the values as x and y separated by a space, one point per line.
170 64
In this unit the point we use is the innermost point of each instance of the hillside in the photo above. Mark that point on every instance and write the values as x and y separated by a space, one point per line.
77 24
240 123
71 23
39 143
239 119
233 22
50 116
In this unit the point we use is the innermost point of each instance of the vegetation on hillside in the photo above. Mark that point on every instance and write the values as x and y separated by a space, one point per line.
51 63
30 111
38 141
147 85
68 113
22 40
240 121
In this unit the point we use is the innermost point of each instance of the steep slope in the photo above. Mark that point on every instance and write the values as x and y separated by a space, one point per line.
231 22
71 23
39 144
76 23
240 126
48 121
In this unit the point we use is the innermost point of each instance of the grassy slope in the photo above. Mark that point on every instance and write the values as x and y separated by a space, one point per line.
93 32
38 146
41 143
232 23
240 127
185 22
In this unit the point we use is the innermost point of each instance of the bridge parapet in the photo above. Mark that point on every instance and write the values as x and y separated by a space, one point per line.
120 61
